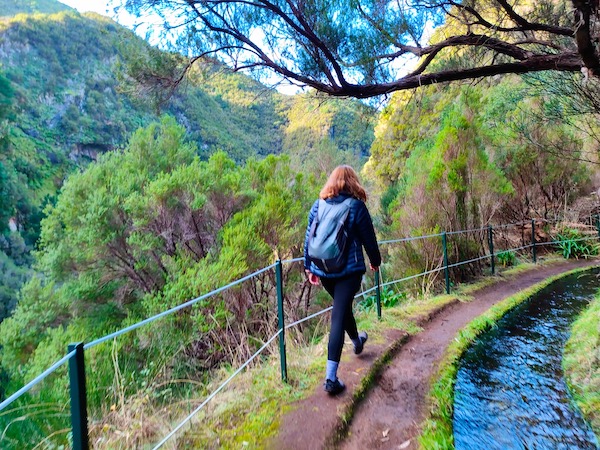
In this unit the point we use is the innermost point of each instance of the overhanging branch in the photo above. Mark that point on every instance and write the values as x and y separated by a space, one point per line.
566 62
505 28
585 11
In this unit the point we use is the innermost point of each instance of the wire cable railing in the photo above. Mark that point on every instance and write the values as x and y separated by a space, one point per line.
411 277
76 353
41 377
175 309
219 389
312 316
410 238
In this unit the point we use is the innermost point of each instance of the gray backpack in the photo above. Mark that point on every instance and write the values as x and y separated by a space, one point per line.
327 245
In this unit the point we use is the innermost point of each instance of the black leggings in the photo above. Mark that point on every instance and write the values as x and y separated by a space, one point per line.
342 290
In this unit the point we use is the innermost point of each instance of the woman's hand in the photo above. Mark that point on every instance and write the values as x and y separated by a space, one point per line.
374 268
312 278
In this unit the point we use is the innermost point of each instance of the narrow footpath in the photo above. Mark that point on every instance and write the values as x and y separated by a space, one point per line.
389 415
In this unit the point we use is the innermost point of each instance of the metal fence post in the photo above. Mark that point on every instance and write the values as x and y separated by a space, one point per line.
446 269
533 248
598 225
491 245
281 321
79 420
378 292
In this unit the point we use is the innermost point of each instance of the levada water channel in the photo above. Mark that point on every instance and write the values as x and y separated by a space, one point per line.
510 392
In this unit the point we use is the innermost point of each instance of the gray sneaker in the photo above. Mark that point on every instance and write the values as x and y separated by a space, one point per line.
362 336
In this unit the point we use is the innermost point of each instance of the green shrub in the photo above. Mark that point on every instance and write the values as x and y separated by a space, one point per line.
574 244
581 363
506 258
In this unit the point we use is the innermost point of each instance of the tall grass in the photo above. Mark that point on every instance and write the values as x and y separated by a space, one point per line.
581 363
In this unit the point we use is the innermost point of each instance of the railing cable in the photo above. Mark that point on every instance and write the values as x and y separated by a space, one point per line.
211 396
36 380
174 309
408 239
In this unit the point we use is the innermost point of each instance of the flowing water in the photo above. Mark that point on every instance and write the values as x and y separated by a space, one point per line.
510 392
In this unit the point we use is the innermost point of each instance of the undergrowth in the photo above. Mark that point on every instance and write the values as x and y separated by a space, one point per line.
574 244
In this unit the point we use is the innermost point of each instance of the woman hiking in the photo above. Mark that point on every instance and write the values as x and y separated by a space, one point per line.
343 282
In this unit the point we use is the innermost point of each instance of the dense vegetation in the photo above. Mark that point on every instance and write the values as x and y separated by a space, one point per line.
64 101
146 229
487 147
119 212
461 157
12 7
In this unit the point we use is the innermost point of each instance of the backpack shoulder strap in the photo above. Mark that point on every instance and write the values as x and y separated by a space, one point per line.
320 208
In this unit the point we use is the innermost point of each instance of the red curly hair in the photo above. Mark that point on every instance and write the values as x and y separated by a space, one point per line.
343 179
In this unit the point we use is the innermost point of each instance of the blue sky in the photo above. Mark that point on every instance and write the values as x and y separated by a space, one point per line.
102 7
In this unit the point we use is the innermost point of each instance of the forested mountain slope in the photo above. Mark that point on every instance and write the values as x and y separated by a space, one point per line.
13 7
68 94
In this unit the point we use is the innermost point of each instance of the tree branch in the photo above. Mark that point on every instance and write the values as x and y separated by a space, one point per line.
564 62
583 15
522 23
476 40
489 27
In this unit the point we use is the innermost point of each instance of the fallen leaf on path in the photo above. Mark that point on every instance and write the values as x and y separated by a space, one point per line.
405 444
385 432
385 439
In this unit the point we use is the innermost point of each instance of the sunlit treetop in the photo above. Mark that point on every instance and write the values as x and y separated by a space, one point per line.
366 48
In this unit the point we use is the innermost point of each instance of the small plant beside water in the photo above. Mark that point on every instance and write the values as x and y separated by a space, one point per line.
581 363
573 244
507 258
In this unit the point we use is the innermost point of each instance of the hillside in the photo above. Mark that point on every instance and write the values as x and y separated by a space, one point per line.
70 72
13 7
70 91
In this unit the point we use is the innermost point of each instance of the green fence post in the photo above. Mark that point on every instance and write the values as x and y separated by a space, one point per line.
281 321
78 398
491 245
533 248
378 292
446 269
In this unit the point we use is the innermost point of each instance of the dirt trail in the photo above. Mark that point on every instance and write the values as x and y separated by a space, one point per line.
389 415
